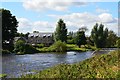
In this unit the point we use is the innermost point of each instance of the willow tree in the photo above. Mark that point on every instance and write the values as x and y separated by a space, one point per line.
99 35
61 31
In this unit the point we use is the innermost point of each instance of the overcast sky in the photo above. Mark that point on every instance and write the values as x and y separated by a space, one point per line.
36 15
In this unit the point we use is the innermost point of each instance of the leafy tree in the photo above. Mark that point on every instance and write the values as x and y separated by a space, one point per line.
19 46
22 35
83 29
118 43
70 38
80 39
35 31
111 39
61 31
9 29
99 35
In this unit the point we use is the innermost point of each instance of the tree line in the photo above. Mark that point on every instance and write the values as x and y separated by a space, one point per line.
99 36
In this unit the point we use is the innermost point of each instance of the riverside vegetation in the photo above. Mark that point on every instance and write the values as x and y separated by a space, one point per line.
99 66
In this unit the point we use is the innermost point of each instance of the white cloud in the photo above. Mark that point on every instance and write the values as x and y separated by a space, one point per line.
99 10
76 20
40 5
107 18
73 22
27 26
24 25
43 26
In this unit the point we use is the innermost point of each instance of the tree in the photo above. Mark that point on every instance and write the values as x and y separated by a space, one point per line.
80 38
83 29
118 43
61 31
19 46
22 35
35 31
9 29
70 38
111 39
99 35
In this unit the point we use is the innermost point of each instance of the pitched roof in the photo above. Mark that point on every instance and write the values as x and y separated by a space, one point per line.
40 34
17 38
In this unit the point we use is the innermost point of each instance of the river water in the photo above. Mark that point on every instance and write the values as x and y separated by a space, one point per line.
16 65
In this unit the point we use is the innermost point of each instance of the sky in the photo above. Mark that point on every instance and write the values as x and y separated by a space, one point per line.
42 16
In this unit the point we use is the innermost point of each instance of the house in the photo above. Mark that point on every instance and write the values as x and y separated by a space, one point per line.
40 38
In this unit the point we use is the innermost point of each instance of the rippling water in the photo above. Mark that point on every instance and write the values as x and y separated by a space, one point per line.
16 65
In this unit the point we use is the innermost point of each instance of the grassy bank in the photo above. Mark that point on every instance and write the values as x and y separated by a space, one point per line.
99 66
69 47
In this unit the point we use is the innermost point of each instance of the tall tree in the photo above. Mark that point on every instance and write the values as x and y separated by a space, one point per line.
99 35
80 38
111 39
9 28
118 43
61 31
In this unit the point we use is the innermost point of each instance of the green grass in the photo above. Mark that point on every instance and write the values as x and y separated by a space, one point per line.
73 47
70 47
99 66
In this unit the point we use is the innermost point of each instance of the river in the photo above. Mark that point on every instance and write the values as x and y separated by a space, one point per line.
16 65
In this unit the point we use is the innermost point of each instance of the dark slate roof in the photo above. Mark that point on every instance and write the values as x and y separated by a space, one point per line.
40 34
17 38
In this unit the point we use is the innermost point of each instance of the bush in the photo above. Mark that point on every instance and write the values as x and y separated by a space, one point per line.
39 46
118 43
29 49
58 47
70 41
21 47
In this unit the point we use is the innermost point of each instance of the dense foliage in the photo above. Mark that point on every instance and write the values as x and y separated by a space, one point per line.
9 29
99 66
80 39
111 39
118 43
61 31
21 47
70 38
59 46
99 35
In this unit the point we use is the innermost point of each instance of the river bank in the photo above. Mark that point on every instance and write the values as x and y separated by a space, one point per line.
16 65
99 66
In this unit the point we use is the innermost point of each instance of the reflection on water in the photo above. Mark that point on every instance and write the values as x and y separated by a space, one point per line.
15 65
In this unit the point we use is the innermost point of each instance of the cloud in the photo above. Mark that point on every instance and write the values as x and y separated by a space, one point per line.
24 25
99 10
76 20
27 26
107 18
73 22
40 5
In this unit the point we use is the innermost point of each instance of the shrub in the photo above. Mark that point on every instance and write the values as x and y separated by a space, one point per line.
58 47
118 43
21 47
39 45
